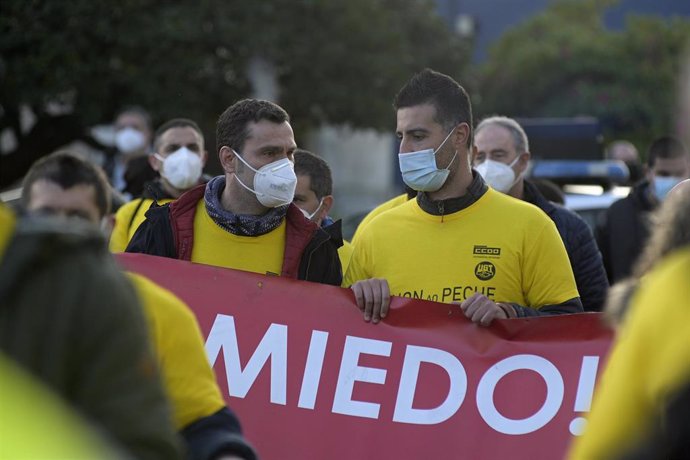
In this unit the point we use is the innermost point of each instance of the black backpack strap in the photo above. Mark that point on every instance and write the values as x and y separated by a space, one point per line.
134 214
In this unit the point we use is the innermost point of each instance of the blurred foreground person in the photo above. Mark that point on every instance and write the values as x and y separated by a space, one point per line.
648 366
72 320
64 185
179 156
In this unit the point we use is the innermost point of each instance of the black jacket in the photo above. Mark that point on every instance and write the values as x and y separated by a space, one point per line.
311 254
579 242
624 232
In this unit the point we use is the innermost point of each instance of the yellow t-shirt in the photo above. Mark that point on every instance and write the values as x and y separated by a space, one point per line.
123 231
188 378
37 424
504 248
383 207
648 363
345 254
7 224
216 246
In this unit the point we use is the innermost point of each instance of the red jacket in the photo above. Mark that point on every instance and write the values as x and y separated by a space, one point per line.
311 253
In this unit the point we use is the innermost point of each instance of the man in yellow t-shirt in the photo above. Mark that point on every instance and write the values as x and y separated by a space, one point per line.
314 196
648 365
65 186
179 155
245 219
458 241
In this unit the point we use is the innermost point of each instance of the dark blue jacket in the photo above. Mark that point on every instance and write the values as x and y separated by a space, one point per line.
585 258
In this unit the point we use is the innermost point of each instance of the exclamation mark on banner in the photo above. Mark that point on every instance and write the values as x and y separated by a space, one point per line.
585 390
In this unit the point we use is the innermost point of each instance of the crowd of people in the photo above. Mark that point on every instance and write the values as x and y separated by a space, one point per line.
471 230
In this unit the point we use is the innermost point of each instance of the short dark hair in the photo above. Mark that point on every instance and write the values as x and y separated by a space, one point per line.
231 129
175 123
665 147
451 101
67 170
320 179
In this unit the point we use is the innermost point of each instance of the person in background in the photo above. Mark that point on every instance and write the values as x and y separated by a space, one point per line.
626 152
128 168
63 185
179 156
314 196
71 319
245 219
625 230
501 157
459 240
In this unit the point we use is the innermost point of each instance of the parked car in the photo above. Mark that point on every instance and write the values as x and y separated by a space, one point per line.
592 206
589 187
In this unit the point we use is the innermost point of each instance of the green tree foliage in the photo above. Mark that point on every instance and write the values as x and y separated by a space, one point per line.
337 62
564 62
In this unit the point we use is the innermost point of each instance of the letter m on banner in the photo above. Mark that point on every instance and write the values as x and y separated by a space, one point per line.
273 346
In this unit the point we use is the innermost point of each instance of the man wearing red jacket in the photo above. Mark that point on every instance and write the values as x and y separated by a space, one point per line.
245 218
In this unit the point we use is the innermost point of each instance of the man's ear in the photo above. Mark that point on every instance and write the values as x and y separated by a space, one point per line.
462 133
325 207
155 163
227 159
204 157
523 162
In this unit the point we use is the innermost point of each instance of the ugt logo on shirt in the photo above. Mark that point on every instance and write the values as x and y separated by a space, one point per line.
485 270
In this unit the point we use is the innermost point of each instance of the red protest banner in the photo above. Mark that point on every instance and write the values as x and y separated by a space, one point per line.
310 379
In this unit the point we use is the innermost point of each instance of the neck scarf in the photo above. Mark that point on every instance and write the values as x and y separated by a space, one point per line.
239 224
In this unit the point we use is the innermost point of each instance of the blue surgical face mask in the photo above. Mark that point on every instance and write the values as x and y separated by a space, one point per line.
663 185
419 170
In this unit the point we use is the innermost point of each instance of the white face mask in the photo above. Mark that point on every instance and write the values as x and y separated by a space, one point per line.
419 169
129 140
182 168
274 183
498 175
311 216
